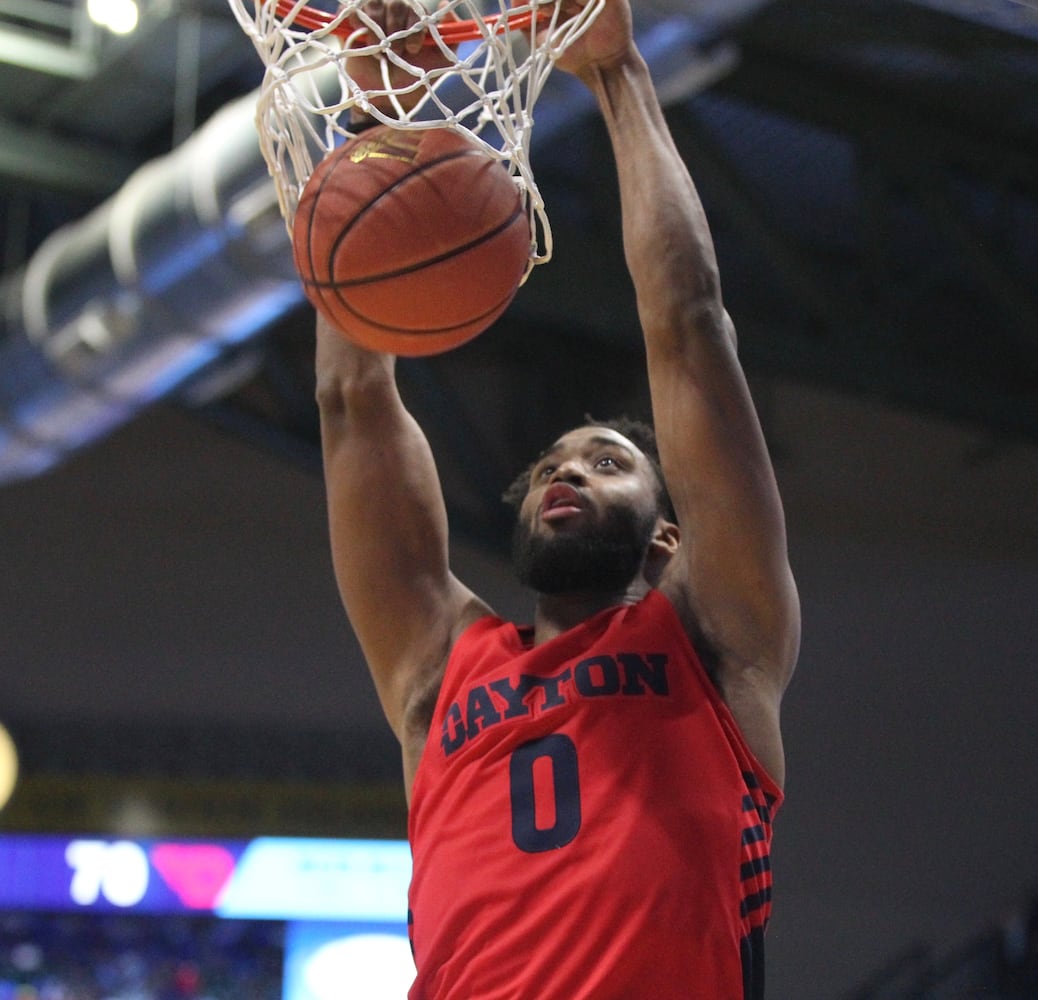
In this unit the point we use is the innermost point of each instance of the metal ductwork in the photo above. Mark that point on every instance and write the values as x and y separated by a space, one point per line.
188 260
191 258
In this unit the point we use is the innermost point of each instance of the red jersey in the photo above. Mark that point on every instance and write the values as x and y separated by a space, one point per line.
587 821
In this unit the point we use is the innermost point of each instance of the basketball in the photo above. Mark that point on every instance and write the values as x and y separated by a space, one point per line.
411 242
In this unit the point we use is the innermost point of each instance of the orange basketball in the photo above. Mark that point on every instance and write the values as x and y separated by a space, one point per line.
411 242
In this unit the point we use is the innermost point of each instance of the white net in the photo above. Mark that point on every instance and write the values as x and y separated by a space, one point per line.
478 70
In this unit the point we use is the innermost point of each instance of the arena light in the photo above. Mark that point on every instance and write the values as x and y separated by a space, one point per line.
8 766
118 16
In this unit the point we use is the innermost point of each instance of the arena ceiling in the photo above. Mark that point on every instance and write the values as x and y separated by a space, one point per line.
870 169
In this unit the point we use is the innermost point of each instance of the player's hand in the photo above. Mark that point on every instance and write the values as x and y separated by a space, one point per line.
608 42
367 71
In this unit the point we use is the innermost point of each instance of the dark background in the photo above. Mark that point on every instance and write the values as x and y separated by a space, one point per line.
172 649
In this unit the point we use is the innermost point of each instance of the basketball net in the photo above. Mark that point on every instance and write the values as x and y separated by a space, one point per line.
488 66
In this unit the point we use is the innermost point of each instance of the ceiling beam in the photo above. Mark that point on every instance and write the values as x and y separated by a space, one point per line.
31 51
857 367
44 161
1017 304
863 105
802 274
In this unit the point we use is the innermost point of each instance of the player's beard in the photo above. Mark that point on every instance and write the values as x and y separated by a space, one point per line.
604 557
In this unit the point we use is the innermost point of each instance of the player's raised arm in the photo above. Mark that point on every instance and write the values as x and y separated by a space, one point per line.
731 576
388 532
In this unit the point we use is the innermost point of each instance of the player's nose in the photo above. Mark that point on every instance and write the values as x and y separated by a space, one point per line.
569 470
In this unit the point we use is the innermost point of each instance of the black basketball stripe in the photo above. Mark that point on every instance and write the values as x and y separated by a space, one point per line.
417 171
399 272
417 335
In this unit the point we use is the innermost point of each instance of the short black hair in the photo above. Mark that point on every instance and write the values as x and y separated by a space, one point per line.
638 432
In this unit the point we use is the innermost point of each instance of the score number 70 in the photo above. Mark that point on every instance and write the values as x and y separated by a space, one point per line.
116 872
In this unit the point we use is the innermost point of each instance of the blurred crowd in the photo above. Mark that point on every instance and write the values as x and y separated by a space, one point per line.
138 957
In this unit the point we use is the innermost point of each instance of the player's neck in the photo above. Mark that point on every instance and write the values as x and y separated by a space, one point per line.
558 613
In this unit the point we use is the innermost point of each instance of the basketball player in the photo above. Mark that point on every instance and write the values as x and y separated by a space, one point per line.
591 795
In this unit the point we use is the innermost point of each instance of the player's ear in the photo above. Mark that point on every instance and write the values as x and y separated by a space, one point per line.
666 537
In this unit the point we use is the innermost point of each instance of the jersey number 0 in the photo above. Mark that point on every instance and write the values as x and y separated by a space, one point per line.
545 768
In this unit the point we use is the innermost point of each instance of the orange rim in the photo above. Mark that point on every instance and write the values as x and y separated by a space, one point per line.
450 31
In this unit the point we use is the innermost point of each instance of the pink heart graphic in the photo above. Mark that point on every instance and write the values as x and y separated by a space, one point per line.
197 873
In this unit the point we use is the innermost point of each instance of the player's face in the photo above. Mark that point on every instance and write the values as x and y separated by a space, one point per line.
589 514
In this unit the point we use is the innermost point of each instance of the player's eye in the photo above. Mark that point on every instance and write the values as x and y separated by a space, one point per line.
606 462
544 471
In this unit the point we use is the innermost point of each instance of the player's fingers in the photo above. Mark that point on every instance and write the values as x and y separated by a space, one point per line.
399 16
416 39
445 15
373 11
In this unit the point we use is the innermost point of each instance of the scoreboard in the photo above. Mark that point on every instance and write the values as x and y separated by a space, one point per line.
341 904
268 877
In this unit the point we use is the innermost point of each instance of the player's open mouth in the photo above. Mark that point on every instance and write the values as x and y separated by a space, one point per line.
560 501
